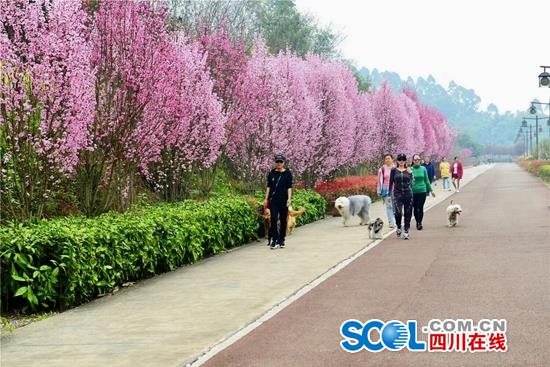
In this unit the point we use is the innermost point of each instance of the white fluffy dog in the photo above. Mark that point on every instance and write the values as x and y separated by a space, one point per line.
453 211
356 205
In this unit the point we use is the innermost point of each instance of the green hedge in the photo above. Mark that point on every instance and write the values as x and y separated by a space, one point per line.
56 264
544 172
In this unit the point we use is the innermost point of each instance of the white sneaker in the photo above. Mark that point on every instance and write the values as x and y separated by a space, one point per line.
457 190
398 232
405 235
273 247
392 225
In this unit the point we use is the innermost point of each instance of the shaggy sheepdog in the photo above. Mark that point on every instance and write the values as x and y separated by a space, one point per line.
356 205
375 229
453 211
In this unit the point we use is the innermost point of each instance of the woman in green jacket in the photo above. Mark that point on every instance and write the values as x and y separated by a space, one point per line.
421 187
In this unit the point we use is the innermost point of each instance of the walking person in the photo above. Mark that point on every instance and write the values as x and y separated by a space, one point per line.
445 171
400 187
278 197
382 187
430 168
457 173
421 188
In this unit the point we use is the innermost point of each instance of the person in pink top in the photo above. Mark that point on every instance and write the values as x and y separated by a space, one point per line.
382 187
456 173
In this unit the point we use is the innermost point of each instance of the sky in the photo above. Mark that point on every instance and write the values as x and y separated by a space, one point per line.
495 48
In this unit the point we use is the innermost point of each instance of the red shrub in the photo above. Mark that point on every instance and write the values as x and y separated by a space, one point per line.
347 186
532 166
346 183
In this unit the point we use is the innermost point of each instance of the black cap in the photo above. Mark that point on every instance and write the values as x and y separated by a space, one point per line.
279 157
401 157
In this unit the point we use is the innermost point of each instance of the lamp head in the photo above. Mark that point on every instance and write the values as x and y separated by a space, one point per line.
544 79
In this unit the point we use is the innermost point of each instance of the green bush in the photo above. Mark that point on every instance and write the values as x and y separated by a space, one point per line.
59 263
314 204
544 172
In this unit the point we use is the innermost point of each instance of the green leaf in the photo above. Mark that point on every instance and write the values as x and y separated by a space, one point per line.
20 291
18 278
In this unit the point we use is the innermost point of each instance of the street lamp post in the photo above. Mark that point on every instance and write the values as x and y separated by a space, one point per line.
536 133
526 143
521 136
533 111
544 77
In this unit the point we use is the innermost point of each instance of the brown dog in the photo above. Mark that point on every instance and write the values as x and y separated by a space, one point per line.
290 222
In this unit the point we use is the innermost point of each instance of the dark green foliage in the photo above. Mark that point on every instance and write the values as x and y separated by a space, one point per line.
56 264
277 22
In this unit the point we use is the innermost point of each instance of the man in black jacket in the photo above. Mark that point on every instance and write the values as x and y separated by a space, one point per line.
278 197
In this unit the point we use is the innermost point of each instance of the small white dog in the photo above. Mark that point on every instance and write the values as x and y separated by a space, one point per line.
356 205
375 229
453 211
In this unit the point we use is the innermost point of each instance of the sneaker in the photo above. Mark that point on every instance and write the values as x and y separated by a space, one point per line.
392 226
419 226
398 232
406 235
274 246
457 190
282 245
449 190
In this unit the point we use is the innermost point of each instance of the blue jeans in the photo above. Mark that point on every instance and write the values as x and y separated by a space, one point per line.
389 210
446 183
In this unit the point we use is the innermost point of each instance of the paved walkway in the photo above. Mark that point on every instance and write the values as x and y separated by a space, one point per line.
175 317
494 265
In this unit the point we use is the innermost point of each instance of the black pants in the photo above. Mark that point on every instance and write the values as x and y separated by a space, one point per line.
402 206
418 206
279 211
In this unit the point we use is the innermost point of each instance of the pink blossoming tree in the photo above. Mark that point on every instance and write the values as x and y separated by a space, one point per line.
465 153
46 100
264 106
333 87
393 126
194 129
227 61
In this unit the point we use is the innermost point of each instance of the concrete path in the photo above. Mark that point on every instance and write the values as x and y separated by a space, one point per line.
495 265
174 318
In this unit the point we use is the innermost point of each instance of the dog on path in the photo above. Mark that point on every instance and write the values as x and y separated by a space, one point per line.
356 205
375 229
453 211
290 221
